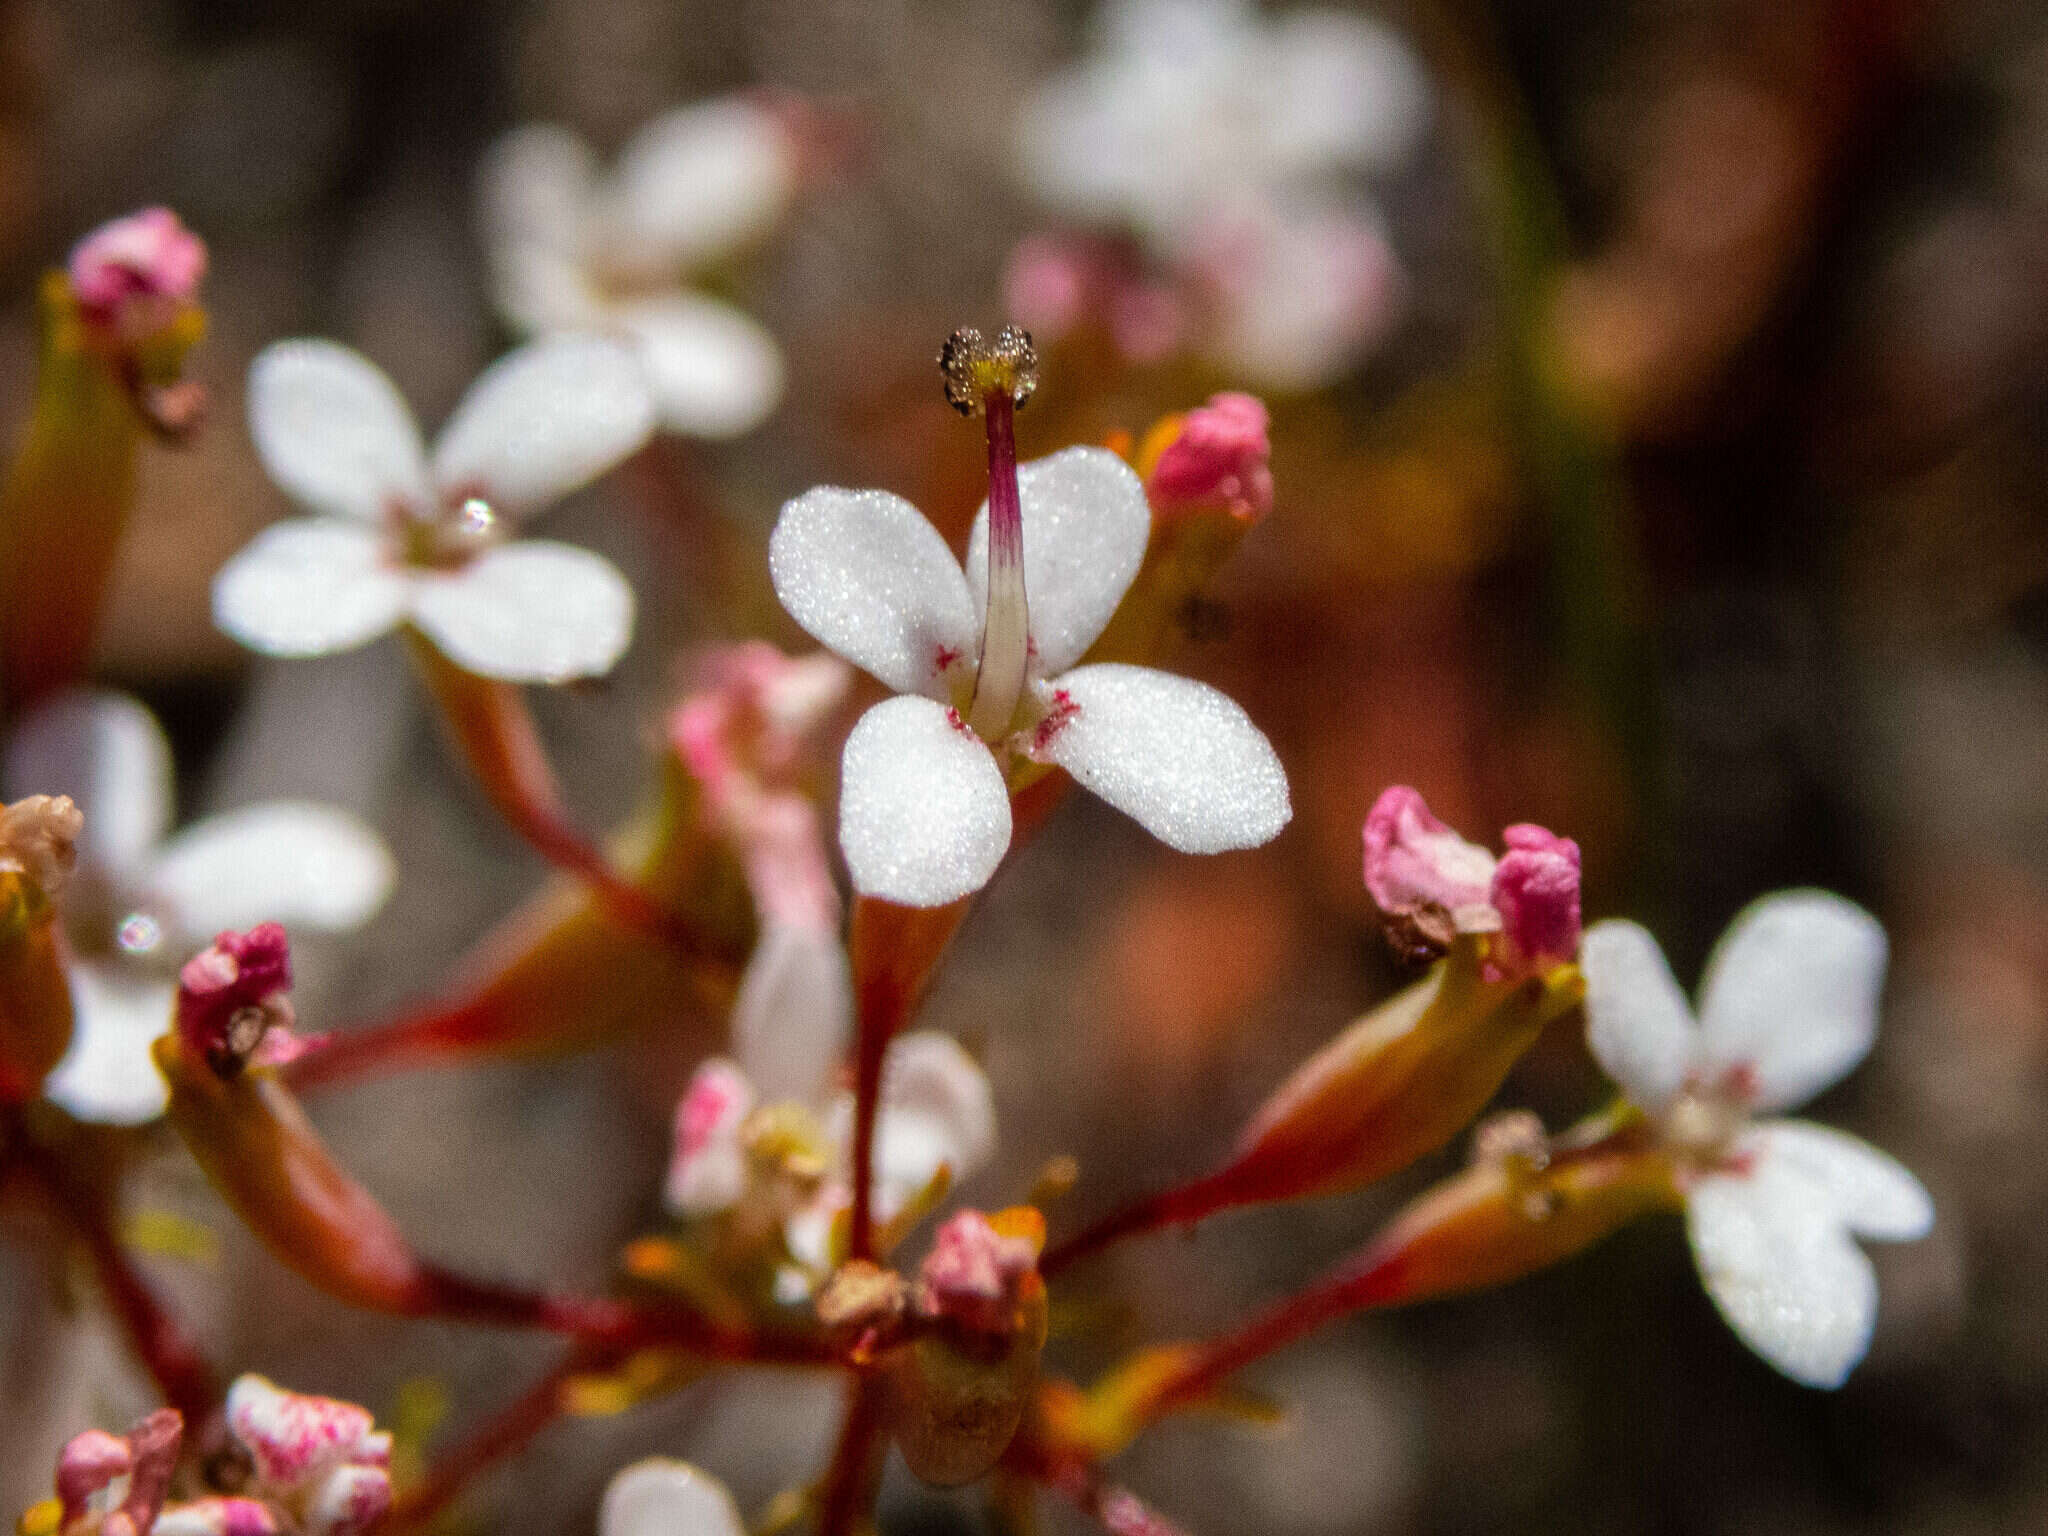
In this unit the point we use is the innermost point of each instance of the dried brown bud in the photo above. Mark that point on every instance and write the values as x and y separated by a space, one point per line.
38 839
862 1296
976 368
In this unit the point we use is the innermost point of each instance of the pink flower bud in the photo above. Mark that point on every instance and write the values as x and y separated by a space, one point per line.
297 1439
349 1501
971 1275
1222 455
1049 285
232 994
1413 862
707 1171
1536 892
87 1464
130 275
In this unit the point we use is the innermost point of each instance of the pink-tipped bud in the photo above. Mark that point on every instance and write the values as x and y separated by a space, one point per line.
1536 892
1424 876
1222 455
87 1464
218 1517
972 1274
349 1501
131 275
233 994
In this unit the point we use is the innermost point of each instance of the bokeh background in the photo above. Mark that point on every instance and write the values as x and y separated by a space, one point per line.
1692 505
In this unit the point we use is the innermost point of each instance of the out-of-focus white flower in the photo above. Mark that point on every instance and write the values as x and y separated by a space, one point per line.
400 537
1773 1206
1232 146
924 804
660 1497
574 249
141 899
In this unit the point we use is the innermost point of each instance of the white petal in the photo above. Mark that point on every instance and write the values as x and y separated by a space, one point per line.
1638 1024
1176 756
659 1497
1086 524
332 430
707 1170
107 1076
532 611
715 371
309 587
924 815
287 861
1783 1270
866 575
1792 990
701 181
794 1013
541 289
536 185
543 420
936 1107
1870 1192
107 753
1340 90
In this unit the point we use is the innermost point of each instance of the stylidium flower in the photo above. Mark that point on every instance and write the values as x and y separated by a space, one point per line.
984 664
1433 885
402 537
660 1497
140 898
574 249
1773 1206
131 276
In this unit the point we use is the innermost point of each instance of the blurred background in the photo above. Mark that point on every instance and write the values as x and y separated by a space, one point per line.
1680 486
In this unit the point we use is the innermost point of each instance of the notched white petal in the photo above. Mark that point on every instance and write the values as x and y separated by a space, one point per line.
924 814
660 1497
1175 755
714 370
287 861
1783 1271
532 611
1638 1023
332 430
1792 989
106 752
544 420
309 587
1870 1191
1086 524
866 575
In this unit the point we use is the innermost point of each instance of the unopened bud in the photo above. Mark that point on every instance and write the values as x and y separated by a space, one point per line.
39 839
131 275
975 368
972 1275
1219 455
233 993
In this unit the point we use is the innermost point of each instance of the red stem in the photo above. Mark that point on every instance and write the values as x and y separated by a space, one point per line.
505 1435
1181 1206
854 1478
409 1040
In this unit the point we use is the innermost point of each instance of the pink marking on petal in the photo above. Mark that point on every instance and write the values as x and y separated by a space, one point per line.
1413 861
715 1099
132 273
350 1500
220 1516
294 1437
1063 709
944 656
1221 456
953 718
1536 891
970 1276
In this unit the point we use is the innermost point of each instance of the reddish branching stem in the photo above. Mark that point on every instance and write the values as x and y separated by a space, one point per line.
853 1480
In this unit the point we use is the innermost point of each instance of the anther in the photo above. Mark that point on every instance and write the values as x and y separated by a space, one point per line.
976 368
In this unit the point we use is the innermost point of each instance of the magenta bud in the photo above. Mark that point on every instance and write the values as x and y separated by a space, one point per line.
133 273
233 993
1536 892
1221 455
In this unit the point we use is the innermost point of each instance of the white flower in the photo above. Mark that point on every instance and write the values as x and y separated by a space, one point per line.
1788 1006
140 901
402 538
660 1497
575 250
924 812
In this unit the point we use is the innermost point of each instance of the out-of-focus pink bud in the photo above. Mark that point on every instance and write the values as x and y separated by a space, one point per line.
1536 892
349 1501
1048 285
707 1170
233 994
132 274
219 1517
972 1274
295 1437
87 1464
1221 455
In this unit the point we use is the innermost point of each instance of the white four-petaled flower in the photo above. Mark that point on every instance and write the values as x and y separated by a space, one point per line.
572 249
661 1497
1788 1006
401 537
141 900
924 813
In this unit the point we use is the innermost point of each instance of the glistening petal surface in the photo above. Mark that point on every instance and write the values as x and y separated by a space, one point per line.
107 753
309 587
866 575
286 861
543 420
660 1497
924 814
714 371
1638 1023
107 1076
1792 989
332 430
1782 1269
1086 524
1174 755
532 611
1873 1193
